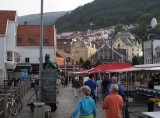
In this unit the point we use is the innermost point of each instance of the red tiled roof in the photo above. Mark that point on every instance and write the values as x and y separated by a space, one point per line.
62 41
100 41
4 16
29 35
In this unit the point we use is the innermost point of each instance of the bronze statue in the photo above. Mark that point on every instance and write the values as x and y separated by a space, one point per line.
48 65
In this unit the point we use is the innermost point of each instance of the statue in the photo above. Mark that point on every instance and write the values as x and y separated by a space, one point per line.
48 65
48 68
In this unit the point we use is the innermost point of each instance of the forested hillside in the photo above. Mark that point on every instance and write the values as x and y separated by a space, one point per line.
48 18
102 13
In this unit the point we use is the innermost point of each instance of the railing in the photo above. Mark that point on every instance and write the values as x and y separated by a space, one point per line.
5 92
1 109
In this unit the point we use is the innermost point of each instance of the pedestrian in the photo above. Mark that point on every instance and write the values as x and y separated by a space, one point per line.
63 80
86 107
66 81
92 85
76 86
113 103
32 80
104 84
120 90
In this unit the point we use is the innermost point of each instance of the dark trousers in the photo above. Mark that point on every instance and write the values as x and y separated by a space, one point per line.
93 96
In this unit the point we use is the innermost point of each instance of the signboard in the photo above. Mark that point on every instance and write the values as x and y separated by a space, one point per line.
68 59
24 73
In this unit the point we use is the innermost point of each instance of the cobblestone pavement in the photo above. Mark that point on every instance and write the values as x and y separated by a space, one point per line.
67 102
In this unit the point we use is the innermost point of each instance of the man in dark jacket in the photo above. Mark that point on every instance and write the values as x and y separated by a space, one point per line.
92 85
104 84
76 86
120 90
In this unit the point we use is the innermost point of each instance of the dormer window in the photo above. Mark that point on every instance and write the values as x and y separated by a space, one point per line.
119 45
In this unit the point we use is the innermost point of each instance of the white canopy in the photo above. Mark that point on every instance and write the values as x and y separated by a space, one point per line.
135 69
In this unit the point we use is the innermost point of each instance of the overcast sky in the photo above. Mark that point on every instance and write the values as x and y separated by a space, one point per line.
26 7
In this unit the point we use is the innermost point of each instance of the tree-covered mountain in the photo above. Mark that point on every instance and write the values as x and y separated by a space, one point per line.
48 18
102 13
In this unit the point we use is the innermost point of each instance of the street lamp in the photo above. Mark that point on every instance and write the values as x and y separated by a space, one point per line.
65 59
41 53
110 45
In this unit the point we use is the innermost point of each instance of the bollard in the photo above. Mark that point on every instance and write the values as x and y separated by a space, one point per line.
47 111
39 110
150 105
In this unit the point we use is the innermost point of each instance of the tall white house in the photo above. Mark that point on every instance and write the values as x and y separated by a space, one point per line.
8 25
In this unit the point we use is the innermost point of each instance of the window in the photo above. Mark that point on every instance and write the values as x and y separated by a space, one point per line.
26 59
158 54
19 40
45 41
119 45
132 49
9 56
32 41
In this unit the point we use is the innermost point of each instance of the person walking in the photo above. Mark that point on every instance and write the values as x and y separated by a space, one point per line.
86 107
63 80
113 103
92 85
66 81
120 90
32 80
76 86
104 84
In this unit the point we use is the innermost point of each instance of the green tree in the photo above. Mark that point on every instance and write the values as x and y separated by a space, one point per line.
140 32
136 60
87 64
81 61
98 63
119 28
155 30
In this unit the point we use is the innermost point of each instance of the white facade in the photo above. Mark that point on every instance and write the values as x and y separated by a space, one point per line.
7 51
11 45
33 52
2 56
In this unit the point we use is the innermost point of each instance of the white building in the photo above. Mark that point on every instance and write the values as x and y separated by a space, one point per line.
28 46
8 25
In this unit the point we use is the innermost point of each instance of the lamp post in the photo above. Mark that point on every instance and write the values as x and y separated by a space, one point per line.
65 65
110 45
41 54
65 59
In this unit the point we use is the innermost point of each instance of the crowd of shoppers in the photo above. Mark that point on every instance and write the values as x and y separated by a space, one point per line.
112 102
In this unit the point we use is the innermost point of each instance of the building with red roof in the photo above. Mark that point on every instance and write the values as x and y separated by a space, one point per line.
28 44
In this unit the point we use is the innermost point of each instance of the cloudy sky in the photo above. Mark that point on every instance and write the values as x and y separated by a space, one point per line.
26 7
